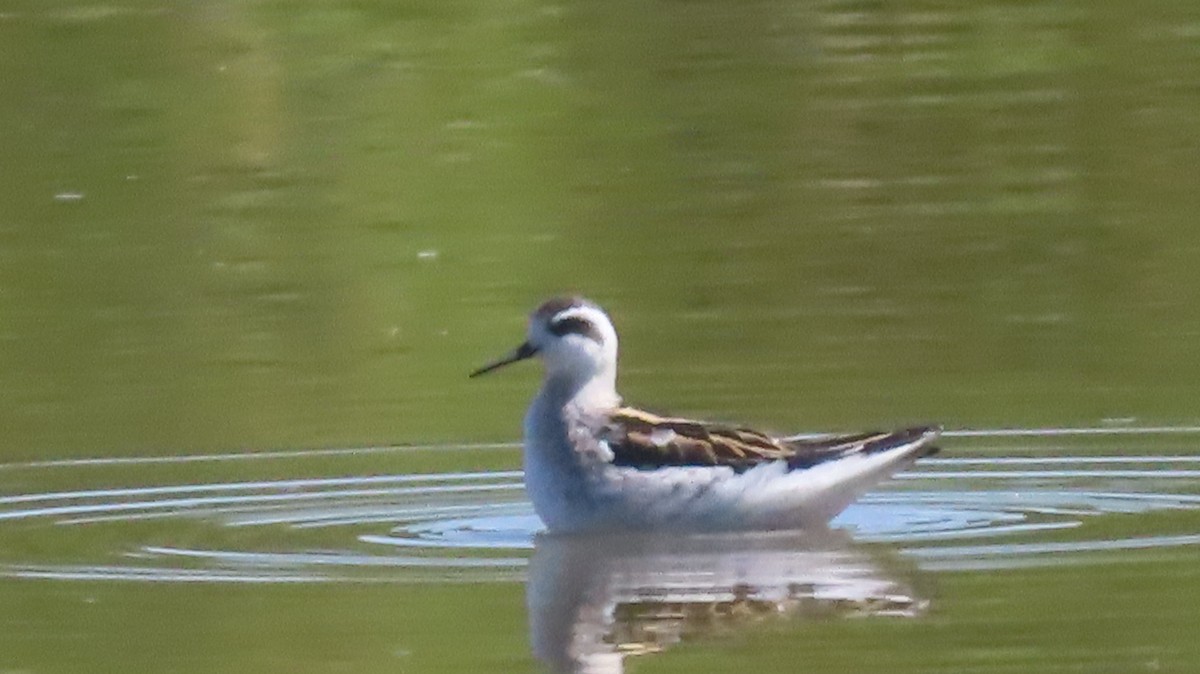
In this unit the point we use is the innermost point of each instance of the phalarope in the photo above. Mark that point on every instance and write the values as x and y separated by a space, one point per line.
592 464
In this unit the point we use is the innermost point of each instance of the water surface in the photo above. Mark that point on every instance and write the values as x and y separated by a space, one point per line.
238 235
594 602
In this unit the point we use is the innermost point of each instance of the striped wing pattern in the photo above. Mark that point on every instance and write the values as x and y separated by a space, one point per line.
643 440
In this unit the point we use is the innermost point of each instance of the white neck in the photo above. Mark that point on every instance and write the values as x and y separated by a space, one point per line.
597 391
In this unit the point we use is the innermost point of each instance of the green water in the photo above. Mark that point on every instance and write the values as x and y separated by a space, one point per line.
244 226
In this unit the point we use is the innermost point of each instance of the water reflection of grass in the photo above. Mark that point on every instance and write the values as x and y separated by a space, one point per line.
851 214
876 214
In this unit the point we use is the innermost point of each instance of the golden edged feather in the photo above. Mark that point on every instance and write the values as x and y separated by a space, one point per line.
645 440
639 438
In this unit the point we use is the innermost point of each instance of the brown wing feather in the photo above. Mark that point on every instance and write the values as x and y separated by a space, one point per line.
644 440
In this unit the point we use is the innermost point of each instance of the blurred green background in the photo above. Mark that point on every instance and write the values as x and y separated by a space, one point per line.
250 224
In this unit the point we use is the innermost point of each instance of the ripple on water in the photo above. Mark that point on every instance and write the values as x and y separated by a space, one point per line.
948 513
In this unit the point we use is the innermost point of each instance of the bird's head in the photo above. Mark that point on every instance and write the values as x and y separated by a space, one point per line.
574 338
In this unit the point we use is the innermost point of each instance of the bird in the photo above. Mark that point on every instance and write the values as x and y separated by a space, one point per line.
593 464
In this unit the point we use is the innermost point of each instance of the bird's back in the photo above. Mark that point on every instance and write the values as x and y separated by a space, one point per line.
640 439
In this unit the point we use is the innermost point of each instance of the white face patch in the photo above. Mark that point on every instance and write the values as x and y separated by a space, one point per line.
576 340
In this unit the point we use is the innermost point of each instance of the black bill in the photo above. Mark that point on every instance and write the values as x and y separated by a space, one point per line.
524 351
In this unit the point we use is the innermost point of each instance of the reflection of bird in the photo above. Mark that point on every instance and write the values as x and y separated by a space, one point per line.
591 464
595 600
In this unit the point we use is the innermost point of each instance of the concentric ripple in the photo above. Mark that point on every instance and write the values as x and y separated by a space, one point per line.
949 513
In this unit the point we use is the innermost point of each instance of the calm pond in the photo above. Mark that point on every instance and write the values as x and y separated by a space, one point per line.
250 249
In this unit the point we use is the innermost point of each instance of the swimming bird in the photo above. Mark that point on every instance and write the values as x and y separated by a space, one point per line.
594 464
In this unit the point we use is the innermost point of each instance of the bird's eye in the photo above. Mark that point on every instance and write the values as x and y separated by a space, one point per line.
574 325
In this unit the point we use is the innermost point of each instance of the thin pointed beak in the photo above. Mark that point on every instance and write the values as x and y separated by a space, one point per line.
524 351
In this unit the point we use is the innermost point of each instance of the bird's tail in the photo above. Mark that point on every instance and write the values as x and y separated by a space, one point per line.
839 469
